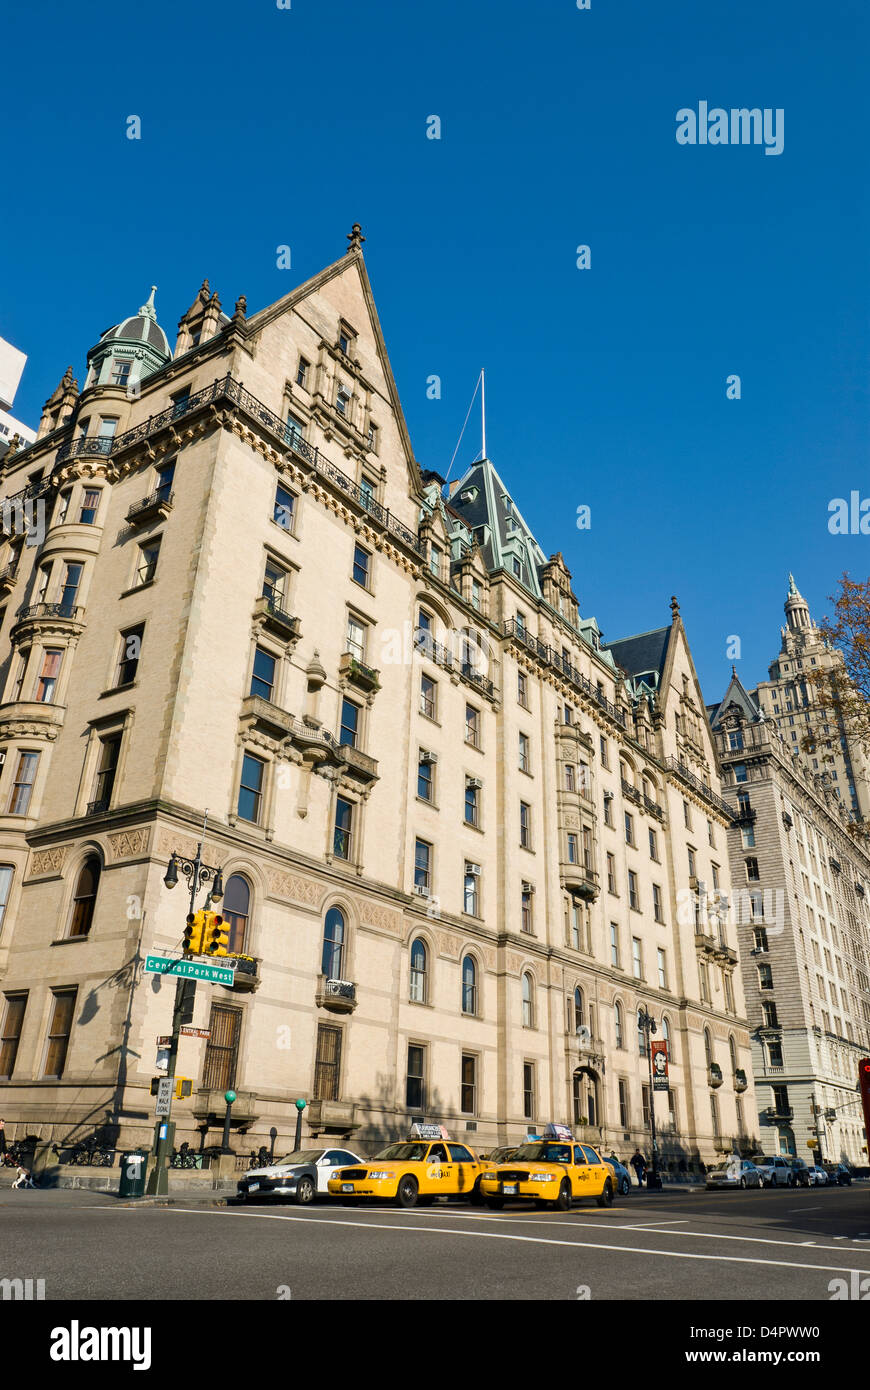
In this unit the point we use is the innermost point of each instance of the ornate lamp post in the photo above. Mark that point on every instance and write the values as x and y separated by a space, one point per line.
300 1106
647 1024
197 874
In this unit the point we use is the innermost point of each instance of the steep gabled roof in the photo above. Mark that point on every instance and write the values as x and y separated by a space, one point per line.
737 696
488 510
643 654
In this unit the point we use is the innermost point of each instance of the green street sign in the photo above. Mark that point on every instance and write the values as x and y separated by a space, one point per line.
190 969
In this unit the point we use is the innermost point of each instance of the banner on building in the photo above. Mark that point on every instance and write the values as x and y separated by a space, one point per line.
660 1066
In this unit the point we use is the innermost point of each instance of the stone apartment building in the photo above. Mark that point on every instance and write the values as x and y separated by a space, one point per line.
454 826
804 878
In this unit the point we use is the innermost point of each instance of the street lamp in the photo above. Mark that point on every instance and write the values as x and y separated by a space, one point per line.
197 874
647 1025
229 1097
300 1106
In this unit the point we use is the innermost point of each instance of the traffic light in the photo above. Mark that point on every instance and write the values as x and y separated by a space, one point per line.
217 936
197 923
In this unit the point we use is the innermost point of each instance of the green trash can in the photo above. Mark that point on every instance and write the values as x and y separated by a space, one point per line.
133 1167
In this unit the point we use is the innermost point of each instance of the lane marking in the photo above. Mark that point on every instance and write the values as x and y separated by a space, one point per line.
527 1240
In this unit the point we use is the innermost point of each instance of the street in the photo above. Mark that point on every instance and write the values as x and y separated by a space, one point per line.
753 1247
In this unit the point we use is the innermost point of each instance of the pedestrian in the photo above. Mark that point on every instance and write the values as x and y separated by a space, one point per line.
2 1138
638 1163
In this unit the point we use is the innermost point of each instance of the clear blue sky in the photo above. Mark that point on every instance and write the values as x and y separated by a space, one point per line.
263 127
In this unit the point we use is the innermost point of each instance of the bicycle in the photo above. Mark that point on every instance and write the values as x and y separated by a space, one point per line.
183 1157
259 1158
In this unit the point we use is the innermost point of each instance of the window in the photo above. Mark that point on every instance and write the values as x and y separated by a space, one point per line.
327 1063
263 675
22 787
165 479
332 958
748 837
356 638
62 509
302 372
85 897
618 1025
573 857
525 825
714 869
570 781
629 829
714 1114
528 1090
108 426
636 958
47 681
526 910
693 868
711 839
422 867
611 874
662 967
342 837
578 1009
251 788
415 1085
284 509
128 657
59 1029
769 1015
614 945
417 991
468 1085
120 372
602 743
13 1019
658 914
349 731
147 566
294 431
274 584
760 934
90 506
633 898
641 1037
623 1104
428 697
361 559
107 767
522 689
528 995
687 816
235 910
436 558
653 845
469 985
6 874
740 772
425 778
472 726
524 753
575 926
608 810
471 899
666 1034
222 1048
342 399
704 981
475 594
69 593
472 807
752 868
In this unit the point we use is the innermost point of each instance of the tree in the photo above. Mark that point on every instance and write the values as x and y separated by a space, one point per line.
842 687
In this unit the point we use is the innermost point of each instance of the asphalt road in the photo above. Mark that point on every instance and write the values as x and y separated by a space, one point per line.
754 1246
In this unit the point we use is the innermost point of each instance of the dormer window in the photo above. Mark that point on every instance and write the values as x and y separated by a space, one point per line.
120 372
468 494
346 339
518 567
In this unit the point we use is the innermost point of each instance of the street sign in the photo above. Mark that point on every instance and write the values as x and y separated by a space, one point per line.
222 974
164 1097
186 1032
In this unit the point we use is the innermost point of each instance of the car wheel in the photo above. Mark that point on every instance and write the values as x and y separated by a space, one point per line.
743 1183
789 1182
406 1192
606 1198
625 1187
495 1203
563 1201
304 1191
476 1197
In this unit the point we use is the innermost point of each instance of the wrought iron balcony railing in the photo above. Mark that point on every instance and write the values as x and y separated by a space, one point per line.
50 610
76 448
554 658
686 775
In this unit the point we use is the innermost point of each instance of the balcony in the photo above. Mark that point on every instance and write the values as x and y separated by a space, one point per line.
8 580
705 942
99 807
339 996
582 1047
679 769
85 448
551 657
740 1081
210 1106
745 815
332 1116
274 618
270 719
365 678
358 764
247 974
777 1113
154 507
53 617
31 718
714 1075
580 880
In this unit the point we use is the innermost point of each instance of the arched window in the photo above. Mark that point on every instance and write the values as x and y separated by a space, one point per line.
641 1037
579 1015
236 909
418 972
528 1001
618 1024
708 1047
469 985
666 1034
85 897
733 1052
333 944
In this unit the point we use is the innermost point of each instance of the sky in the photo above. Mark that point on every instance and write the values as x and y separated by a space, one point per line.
264 127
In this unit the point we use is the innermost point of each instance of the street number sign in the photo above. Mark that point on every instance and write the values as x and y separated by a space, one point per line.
223 974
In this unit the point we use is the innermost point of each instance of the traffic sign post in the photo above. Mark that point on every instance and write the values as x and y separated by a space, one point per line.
165 1087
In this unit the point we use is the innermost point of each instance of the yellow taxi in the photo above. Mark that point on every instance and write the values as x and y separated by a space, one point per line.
412 1171
550 1172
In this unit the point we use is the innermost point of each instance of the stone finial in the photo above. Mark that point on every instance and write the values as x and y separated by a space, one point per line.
147 310
675 608
241 308
355 237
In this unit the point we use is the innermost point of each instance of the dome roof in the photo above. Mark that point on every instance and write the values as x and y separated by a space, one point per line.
142 328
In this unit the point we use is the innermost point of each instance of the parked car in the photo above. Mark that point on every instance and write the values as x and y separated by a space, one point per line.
411 1171
623 1177
839 1173
775 1171
800 1172
818 1176
734 1172
302 1175
552 1174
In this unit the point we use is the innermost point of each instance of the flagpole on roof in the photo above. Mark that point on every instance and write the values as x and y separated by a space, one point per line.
483 413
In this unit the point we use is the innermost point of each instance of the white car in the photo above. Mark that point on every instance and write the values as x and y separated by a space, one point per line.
818 1177
302 1175
775 1171
734 1172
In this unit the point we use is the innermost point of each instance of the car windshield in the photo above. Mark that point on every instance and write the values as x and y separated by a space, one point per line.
301 1156
723 1168
405 1153
538 1153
